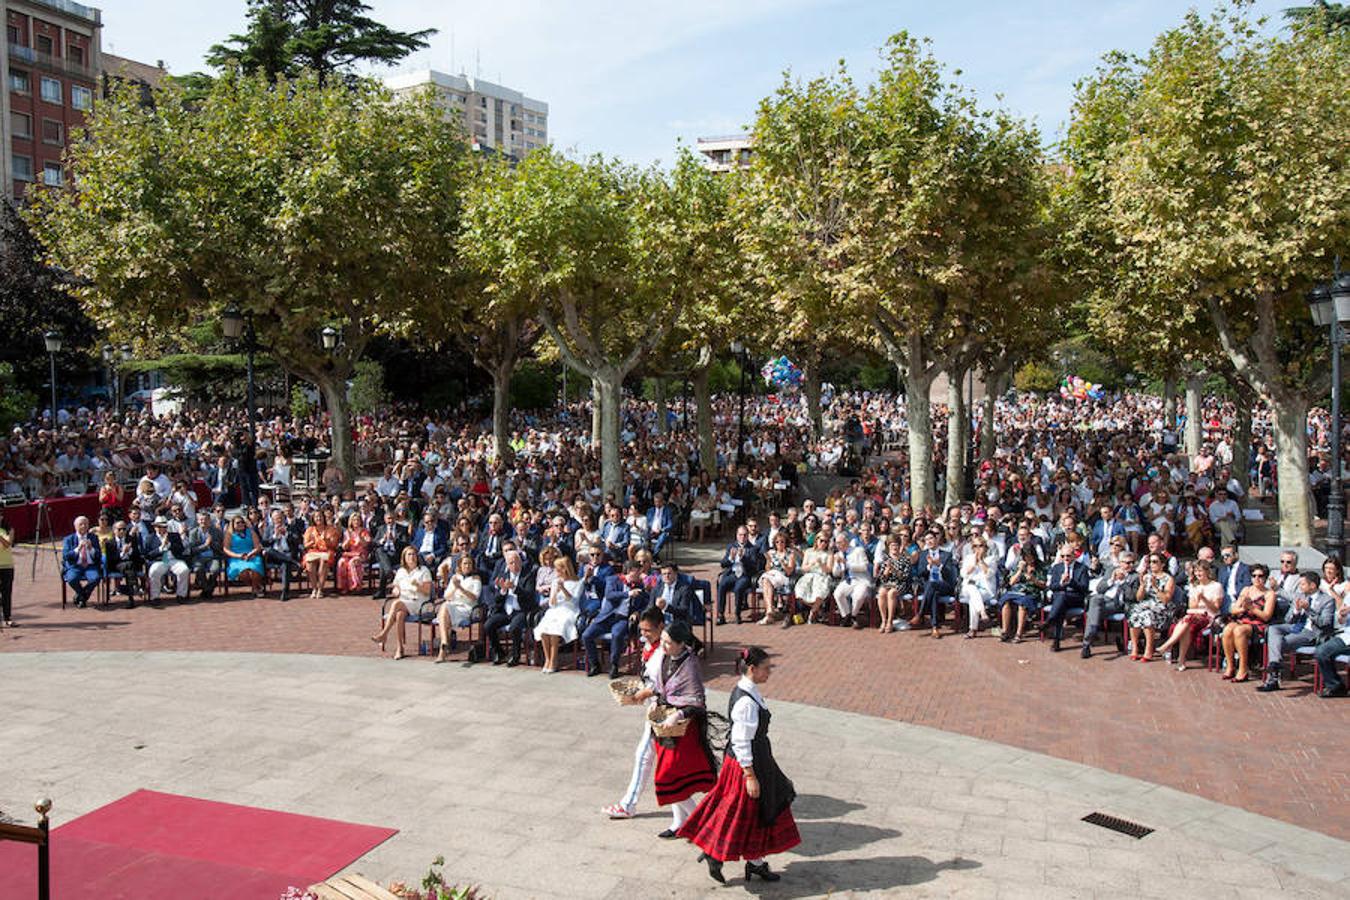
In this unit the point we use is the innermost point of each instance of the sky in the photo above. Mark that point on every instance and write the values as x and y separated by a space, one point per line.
634 79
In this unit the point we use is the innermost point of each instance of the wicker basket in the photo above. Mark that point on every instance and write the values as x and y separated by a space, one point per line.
621 688
657 714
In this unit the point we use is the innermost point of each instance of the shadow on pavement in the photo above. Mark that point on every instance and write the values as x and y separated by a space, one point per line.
837 876
809 807
823 838
78 626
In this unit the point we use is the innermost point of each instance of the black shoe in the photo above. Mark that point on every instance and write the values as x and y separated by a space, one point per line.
1087 652
714 868
513 662
285 598
1328 692
846 621
721 620
668 834
1270 684
380 595
787 622
1120 644
1054 646
498 660
762 871
1005 638
592 671
738 618
131 604
613 674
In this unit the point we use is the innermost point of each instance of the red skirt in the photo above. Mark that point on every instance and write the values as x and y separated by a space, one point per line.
683 770
726 823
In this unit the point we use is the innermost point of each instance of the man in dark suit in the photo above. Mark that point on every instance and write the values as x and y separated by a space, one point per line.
123 561
760 538
624 599
491 544
432 540
1234 575
388 541
220 477
1067 585
675 596
660 523
206 553
279 549
512 600
614 533
741 564
82 561
936 571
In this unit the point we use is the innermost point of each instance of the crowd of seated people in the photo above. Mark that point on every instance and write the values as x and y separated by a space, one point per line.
1081 511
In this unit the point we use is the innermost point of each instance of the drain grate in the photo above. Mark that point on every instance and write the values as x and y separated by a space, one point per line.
1133 829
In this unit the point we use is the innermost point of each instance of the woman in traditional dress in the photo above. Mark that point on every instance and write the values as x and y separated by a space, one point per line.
684 764
748 815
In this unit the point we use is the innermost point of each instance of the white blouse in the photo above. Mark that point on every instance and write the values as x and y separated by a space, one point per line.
745 720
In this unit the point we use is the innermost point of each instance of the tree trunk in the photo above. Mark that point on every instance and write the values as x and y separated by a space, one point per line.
1242 435
597 413
811 387
707 449
501 410
957 438
1169 388
662 425
920 418
334 391
611 392
1291 460
1195 383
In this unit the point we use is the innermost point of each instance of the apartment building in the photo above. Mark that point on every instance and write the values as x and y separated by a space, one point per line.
722 154
494 117
51 58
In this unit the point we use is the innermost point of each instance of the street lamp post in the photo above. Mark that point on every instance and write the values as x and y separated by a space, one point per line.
1330 307
742 358
53 341
234 324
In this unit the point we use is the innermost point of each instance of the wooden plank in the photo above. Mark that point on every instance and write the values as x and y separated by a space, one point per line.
325 891
375 891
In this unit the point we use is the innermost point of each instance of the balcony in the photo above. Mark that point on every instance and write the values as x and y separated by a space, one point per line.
71 8
50 63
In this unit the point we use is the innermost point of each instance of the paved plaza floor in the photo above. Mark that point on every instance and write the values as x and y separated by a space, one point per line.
503 773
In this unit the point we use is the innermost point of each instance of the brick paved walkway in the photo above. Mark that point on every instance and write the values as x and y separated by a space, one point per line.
1188 731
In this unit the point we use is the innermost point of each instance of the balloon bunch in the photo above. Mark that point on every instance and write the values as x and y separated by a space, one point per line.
1075 388
782 372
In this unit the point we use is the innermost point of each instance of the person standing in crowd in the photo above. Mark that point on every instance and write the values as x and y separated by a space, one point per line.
748 814
6 574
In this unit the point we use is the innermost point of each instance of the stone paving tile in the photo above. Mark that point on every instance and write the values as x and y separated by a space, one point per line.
1107 716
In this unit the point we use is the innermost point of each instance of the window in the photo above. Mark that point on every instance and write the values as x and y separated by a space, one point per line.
44 44
12 34
52 132
21 124
23 168
51 90
18 82
76 54
51 174
81 97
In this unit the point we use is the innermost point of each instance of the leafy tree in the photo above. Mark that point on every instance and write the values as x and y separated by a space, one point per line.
1226 197
326 37
16 404
33 302
306 206
1322 13
366 391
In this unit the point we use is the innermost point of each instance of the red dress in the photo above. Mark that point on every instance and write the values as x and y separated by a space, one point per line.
684 765
729 824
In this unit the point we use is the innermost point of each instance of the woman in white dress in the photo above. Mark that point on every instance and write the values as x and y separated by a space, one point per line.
461 596
412 585
281 473
559 624
978 582
814 585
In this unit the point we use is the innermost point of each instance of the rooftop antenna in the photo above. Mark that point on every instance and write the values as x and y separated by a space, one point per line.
452 50
477 62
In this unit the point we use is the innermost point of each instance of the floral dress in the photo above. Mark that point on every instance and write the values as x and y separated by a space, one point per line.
1152 611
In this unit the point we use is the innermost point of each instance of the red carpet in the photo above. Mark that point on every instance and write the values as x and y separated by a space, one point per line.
149 845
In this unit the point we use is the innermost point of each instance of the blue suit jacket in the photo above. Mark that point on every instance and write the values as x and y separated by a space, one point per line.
70 555
1244 579
439 541
617 602
660 521
1077 586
